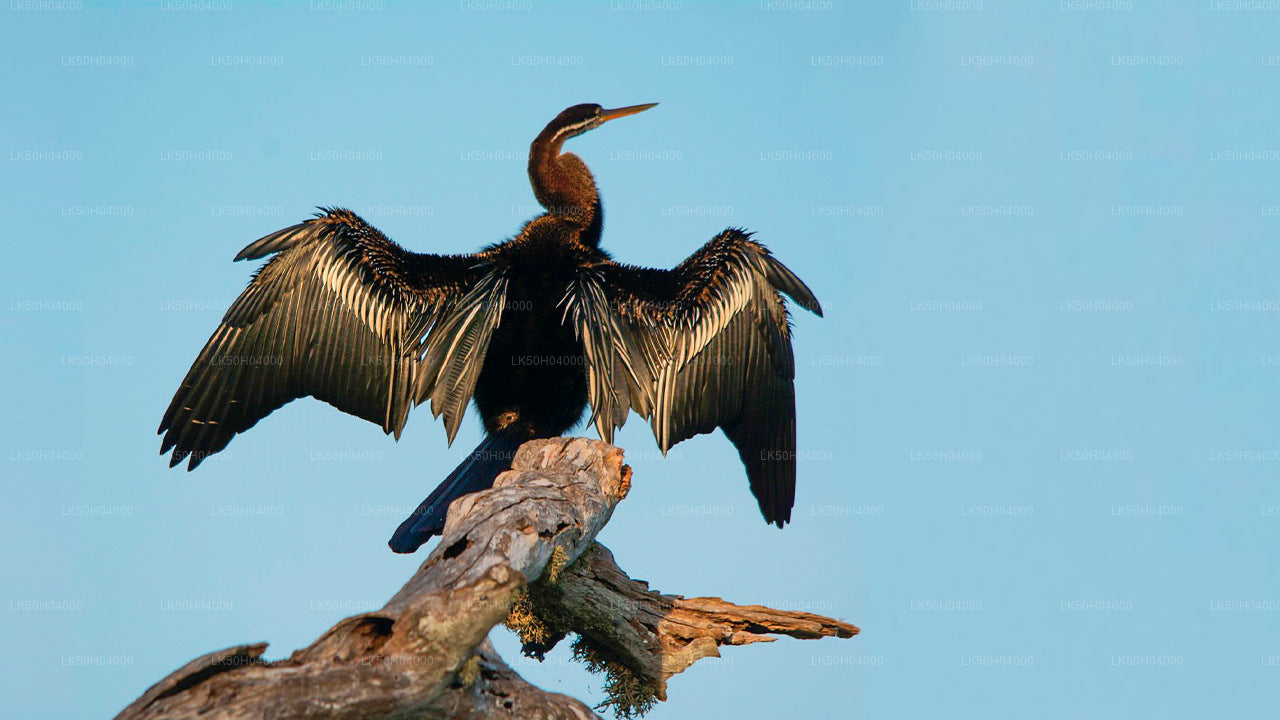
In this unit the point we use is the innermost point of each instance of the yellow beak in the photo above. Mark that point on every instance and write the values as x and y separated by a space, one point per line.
624 111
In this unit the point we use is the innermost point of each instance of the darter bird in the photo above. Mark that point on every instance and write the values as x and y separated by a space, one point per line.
533 330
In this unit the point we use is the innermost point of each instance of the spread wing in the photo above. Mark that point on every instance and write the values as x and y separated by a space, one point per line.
713 336
344 315
619 373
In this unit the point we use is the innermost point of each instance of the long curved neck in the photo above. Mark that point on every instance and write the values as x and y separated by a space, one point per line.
563 184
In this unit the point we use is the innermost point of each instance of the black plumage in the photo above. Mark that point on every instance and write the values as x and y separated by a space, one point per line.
534 330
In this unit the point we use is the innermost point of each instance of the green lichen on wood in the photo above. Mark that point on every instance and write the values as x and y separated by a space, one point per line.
470 670
556 565
523 620
538 627
626 694
534 619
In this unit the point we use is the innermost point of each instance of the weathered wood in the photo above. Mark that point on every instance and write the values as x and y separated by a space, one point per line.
425 654
649 636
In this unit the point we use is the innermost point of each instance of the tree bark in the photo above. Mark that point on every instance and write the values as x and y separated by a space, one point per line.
522 553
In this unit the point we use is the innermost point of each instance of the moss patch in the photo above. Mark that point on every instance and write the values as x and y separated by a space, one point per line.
627 695
540 627
556 565
523 620
470 670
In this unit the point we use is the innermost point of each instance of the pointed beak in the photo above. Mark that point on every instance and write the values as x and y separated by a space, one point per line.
607 115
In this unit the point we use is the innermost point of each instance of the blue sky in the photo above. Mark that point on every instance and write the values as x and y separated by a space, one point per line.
1038 425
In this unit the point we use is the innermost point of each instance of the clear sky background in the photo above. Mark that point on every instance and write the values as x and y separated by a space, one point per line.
1038 424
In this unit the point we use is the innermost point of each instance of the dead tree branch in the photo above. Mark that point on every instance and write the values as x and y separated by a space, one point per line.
521 553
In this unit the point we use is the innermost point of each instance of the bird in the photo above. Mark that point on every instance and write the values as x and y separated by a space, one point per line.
534 330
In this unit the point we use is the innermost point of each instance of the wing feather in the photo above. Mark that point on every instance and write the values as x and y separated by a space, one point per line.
714 337
456 348
342 314
618 376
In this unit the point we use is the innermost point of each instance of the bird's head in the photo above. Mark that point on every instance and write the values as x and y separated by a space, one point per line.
561 182
574 121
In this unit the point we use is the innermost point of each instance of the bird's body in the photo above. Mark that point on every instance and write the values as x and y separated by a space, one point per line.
534 370
535 330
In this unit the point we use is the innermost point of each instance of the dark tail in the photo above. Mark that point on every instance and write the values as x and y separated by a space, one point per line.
492 456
